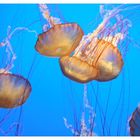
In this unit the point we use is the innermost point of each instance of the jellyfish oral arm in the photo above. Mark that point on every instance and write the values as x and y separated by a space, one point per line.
46 14
114 39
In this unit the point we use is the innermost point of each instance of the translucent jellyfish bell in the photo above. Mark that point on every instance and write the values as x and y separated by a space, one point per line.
108 62
100 60
59 40
14 90
77 70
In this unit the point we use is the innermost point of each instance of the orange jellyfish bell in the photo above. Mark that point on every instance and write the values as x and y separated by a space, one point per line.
14 90
59 40
99 60
77 69
108 62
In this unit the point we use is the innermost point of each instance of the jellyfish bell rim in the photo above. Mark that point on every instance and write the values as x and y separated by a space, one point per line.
53 28
19 103
67 23
108 80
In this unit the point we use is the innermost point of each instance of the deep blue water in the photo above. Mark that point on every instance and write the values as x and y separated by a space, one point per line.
53 95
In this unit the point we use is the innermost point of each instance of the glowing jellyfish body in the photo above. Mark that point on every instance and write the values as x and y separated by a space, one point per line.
14 90
77 69
97 56
59 40
100 60
109 63
135 123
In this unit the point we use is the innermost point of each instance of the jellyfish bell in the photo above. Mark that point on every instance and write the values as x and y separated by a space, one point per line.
14 90
60 40
108 62
134 122
77 69
99 60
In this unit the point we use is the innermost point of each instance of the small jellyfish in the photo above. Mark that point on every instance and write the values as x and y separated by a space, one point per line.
135 122
14 90
60 39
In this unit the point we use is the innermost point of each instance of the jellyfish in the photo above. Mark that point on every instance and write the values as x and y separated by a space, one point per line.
97 56
135 122
103 65
60 39
16 91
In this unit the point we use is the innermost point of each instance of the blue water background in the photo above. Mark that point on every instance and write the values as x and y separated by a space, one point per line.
53 95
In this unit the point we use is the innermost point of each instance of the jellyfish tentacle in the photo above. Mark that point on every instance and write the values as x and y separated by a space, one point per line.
86 129
11 56
10 128
47 15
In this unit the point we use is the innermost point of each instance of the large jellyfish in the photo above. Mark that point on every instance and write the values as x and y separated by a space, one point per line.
60 39
104 64
97 57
